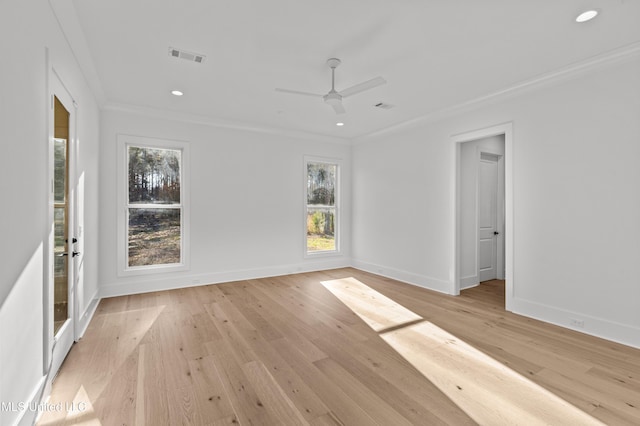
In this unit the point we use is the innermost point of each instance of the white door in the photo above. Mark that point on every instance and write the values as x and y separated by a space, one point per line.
60 324
488 231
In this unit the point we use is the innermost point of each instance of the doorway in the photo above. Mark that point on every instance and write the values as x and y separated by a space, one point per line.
60 320
483 206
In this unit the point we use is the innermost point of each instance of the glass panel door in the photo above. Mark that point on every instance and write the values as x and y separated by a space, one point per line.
61 216
60 326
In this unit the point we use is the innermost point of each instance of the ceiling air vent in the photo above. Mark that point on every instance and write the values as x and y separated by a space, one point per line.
188 56
382 105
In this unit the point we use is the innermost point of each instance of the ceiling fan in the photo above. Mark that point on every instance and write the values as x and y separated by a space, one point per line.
334 98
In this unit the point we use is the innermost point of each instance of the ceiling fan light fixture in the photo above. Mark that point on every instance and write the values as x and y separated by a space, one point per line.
586 15
177 93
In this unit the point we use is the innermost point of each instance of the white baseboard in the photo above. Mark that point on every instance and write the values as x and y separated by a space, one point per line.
404 276
598 327
87 315
469 282
152 283
621 333
29 410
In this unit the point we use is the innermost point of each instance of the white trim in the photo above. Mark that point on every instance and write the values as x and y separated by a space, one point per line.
182 117
48 229
122 190
87 316
457 139
594 326
29 416
137 285
469 282
67 18
543 80
57 345
621 333
423 281
337 206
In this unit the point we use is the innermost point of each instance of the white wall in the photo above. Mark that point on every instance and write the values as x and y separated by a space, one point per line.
576 198
26 28
469 159
247 217
575 193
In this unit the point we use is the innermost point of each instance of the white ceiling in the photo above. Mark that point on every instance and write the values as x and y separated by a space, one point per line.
434 54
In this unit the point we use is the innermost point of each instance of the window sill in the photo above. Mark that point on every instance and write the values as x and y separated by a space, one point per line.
153 269
316 254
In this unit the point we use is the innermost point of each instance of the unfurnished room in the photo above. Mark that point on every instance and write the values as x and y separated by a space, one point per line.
320 213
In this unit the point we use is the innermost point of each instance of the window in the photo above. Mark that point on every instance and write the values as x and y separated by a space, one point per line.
321 212
153 218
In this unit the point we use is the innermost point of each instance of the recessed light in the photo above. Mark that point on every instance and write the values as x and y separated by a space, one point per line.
177 93
339 124
587 16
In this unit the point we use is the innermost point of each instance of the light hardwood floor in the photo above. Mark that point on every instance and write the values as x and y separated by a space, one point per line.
286 350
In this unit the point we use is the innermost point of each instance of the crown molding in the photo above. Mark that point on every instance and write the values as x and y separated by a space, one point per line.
543 80
65 14
219 122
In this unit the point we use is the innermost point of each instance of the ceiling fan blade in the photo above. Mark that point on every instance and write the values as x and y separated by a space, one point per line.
338 108
297 92
361 87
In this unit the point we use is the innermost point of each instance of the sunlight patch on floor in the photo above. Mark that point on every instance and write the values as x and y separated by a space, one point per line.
82 413
79 411
107 357
488 391
377 310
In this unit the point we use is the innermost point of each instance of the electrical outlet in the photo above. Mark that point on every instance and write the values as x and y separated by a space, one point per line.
578 323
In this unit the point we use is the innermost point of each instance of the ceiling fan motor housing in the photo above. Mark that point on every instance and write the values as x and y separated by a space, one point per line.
333 62
332 97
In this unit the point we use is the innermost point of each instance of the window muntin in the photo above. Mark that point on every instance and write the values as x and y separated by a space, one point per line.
154 225
321 212
153 205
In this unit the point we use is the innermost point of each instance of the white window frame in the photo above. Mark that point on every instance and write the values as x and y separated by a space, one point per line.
338 222
123 144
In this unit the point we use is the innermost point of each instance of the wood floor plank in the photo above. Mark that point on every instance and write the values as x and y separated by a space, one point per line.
272 396
286 350
344 410
375 406
156 406
396 381
212 399
245 402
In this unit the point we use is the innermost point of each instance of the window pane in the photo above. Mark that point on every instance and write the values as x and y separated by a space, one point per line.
321 206
154 175
60 169
321 228
321 184
154 236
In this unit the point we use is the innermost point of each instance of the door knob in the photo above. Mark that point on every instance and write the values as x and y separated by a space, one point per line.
496 233
73 254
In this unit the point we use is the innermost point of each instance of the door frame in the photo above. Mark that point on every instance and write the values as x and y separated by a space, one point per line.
55 350
505 129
